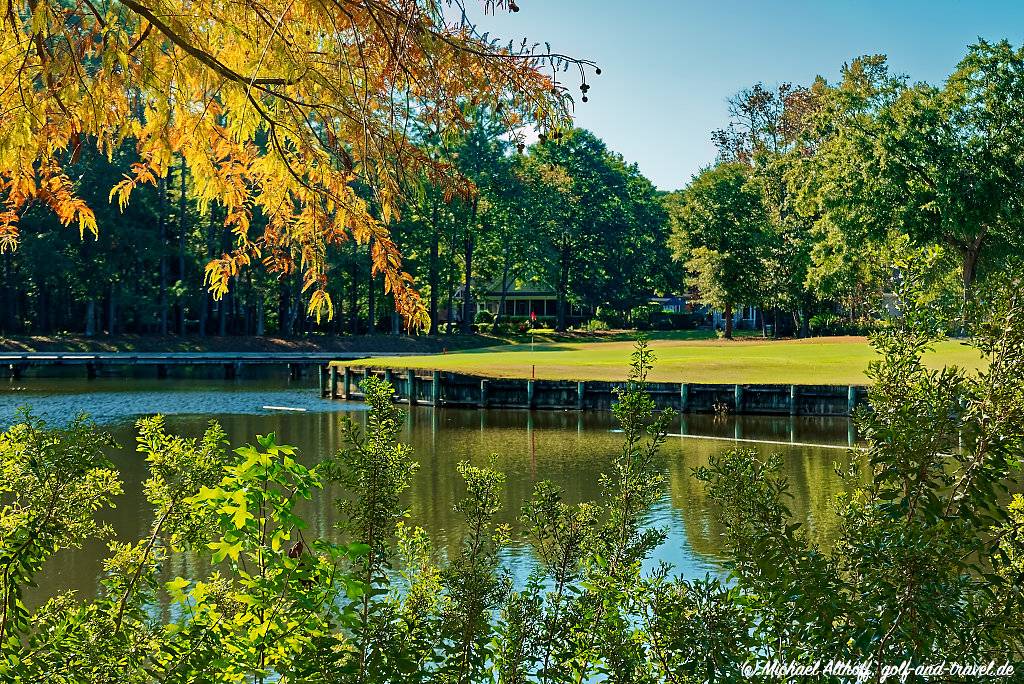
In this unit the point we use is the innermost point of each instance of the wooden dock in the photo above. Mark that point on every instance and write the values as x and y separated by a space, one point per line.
441 388
232 362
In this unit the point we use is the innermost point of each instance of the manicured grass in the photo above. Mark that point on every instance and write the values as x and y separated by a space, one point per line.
824 360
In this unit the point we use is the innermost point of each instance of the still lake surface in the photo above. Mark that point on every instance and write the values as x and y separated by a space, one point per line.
568 448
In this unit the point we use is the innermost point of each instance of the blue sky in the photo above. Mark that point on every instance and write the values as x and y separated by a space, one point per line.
668 66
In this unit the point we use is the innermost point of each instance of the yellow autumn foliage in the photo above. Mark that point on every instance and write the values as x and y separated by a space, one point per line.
276 106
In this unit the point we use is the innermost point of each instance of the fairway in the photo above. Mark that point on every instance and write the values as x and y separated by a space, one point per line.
817 361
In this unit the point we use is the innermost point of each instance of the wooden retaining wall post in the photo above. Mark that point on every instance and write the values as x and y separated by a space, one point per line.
90 370
333 389
410 381
792 400
737 391
483 393
389 379
684 397
851 400
435 392
322 379
581 390
529 393
346 383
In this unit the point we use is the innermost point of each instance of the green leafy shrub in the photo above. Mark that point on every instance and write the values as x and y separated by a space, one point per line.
671 320
507 328
920 571
829 325
826 324
641 317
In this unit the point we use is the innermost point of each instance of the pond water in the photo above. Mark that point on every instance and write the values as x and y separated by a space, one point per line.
569 448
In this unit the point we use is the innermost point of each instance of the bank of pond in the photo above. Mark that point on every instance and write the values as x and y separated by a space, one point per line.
444 388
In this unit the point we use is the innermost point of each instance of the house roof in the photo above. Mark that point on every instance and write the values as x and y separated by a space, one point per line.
518 288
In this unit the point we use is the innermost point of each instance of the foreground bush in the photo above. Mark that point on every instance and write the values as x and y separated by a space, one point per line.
928 566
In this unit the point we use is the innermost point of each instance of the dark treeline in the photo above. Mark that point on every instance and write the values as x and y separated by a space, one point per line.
144 271
567 215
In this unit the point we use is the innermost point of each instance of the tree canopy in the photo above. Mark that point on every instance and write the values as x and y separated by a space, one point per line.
939 164
277 108
719 233
598 224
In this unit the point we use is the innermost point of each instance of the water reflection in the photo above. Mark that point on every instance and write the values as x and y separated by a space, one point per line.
569 448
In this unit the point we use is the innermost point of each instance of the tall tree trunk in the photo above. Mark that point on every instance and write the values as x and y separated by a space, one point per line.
248 312
728 321
222 316
162 242
562 289
204 311
112 310
8 318
969 270
298 323
224 306
43 306
90 318
353 293
182 225
283 306
504 289
206 303
435 248
467 293
371 300
451 298
22 308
